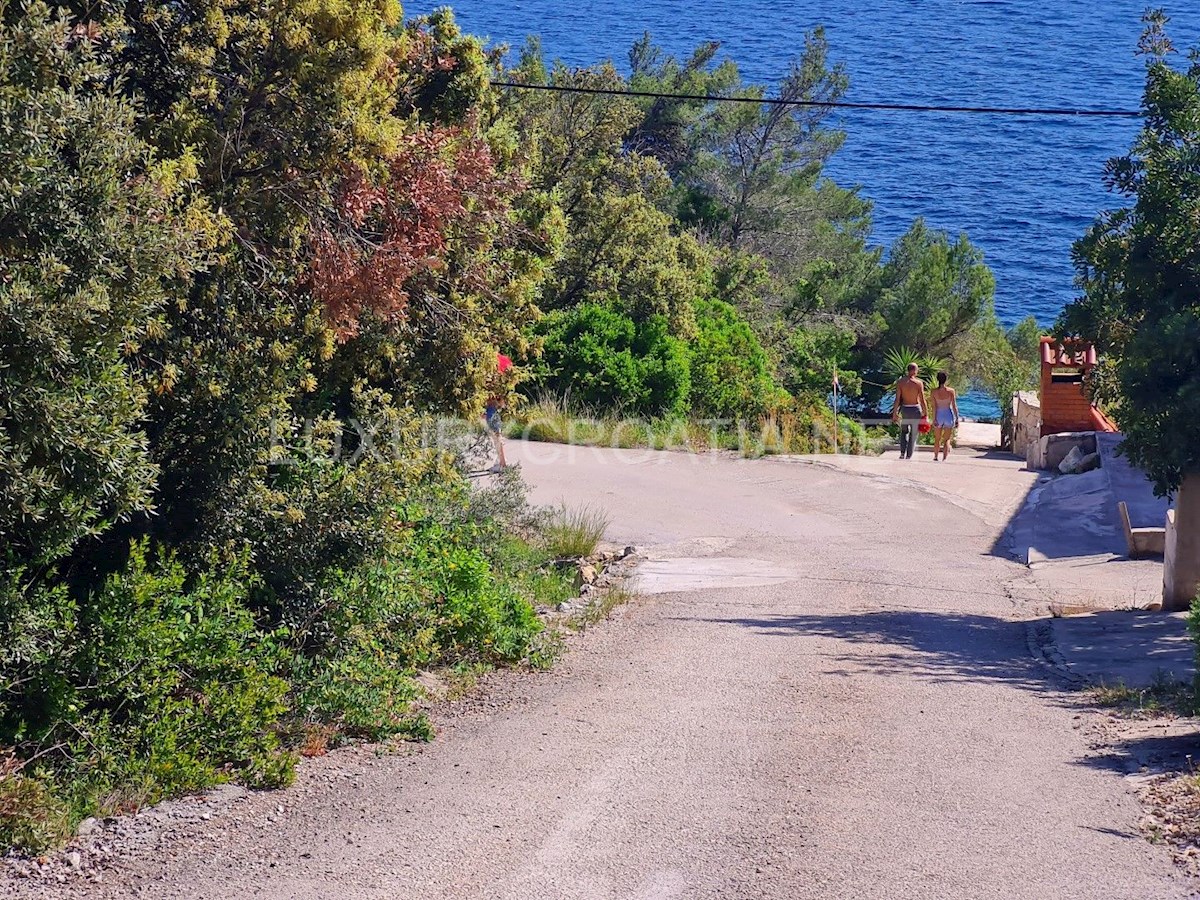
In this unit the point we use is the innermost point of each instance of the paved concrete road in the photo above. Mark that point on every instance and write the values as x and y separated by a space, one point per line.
854 715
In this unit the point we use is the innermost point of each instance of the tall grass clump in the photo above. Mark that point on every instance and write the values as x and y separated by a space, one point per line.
573 532
547 420
790 427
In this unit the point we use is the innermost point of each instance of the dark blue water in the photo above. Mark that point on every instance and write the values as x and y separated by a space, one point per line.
1023 188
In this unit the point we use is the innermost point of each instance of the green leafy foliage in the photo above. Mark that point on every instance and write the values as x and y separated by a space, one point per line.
1139 269
760 163
813 354
934 290
32 818
779 241
598 355
897 360
433 601
1004 362
730 370
93 228
154 684
1193 622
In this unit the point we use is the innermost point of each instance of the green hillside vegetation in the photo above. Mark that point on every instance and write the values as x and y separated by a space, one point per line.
246 254
713 225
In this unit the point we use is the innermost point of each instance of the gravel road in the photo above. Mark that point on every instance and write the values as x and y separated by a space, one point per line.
864 720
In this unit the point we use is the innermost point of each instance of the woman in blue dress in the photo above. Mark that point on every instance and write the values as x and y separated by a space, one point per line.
945 416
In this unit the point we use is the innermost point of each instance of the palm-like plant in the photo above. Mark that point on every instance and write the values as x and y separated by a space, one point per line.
897 360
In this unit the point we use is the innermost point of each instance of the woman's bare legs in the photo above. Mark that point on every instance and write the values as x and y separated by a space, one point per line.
947 434
498 443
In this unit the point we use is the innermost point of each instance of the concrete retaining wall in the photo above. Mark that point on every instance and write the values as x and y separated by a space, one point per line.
1027 422
1050 451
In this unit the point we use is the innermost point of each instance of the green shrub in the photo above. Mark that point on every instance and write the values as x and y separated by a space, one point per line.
91 232
32 818
531 570
361 690
333 501
433 599
731 372
599 356
1194 630
153 685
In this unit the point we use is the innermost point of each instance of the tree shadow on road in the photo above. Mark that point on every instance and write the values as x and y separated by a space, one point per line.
964 648
940 647
1148 753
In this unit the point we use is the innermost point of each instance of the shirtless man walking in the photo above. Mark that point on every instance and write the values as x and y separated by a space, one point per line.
909 409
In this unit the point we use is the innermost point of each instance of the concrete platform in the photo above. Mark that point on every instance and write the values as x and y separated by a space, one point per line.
979 435
1130 648
1130 485
673 575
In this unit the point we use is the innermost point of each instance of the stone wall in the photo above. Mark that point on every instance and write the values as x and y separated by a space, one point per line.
1027 422
1050 451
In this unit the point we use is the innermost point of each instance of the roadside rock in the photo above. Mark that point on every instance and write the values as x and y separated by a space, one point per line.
87 826
1077 462
1070 463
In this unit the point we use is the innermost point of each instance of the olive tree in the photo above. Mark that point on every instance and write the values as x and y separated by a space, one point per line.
93 234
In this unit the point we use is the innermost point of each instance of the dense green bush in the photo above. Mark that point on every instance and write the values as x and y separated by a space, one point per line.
432 600
159 683
731 372
152 685
813 354
426 580
330 501
601 357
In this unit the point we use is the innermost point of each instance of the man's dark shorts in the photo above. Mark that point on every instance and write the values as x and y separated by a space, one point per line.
492 417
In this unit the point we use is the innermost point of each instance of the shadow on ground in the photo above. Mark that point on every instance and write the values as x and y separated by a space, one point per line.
1177 752
1135 649
1006 544
942 647
962 648
1066 517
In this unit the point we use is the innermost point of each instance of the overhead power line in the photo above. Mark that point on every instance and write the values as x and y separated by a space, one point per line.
831 104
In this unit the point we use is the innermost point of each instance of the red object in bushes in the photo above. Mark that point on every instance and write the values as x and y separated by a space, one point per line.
924 427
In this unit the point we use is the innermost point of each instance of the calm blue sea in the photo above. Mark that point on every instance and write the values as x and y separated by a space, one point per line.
1023 188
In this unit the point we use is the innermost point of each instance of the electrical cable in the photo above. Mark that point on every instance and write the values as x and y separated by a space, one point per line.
830 104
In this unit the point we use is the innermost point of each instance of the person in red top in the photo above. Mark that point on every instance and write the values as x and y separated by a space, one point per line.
496 401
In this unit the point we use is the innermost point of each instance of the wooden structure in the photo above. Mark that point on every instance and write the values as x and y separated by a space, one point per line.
1065 407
